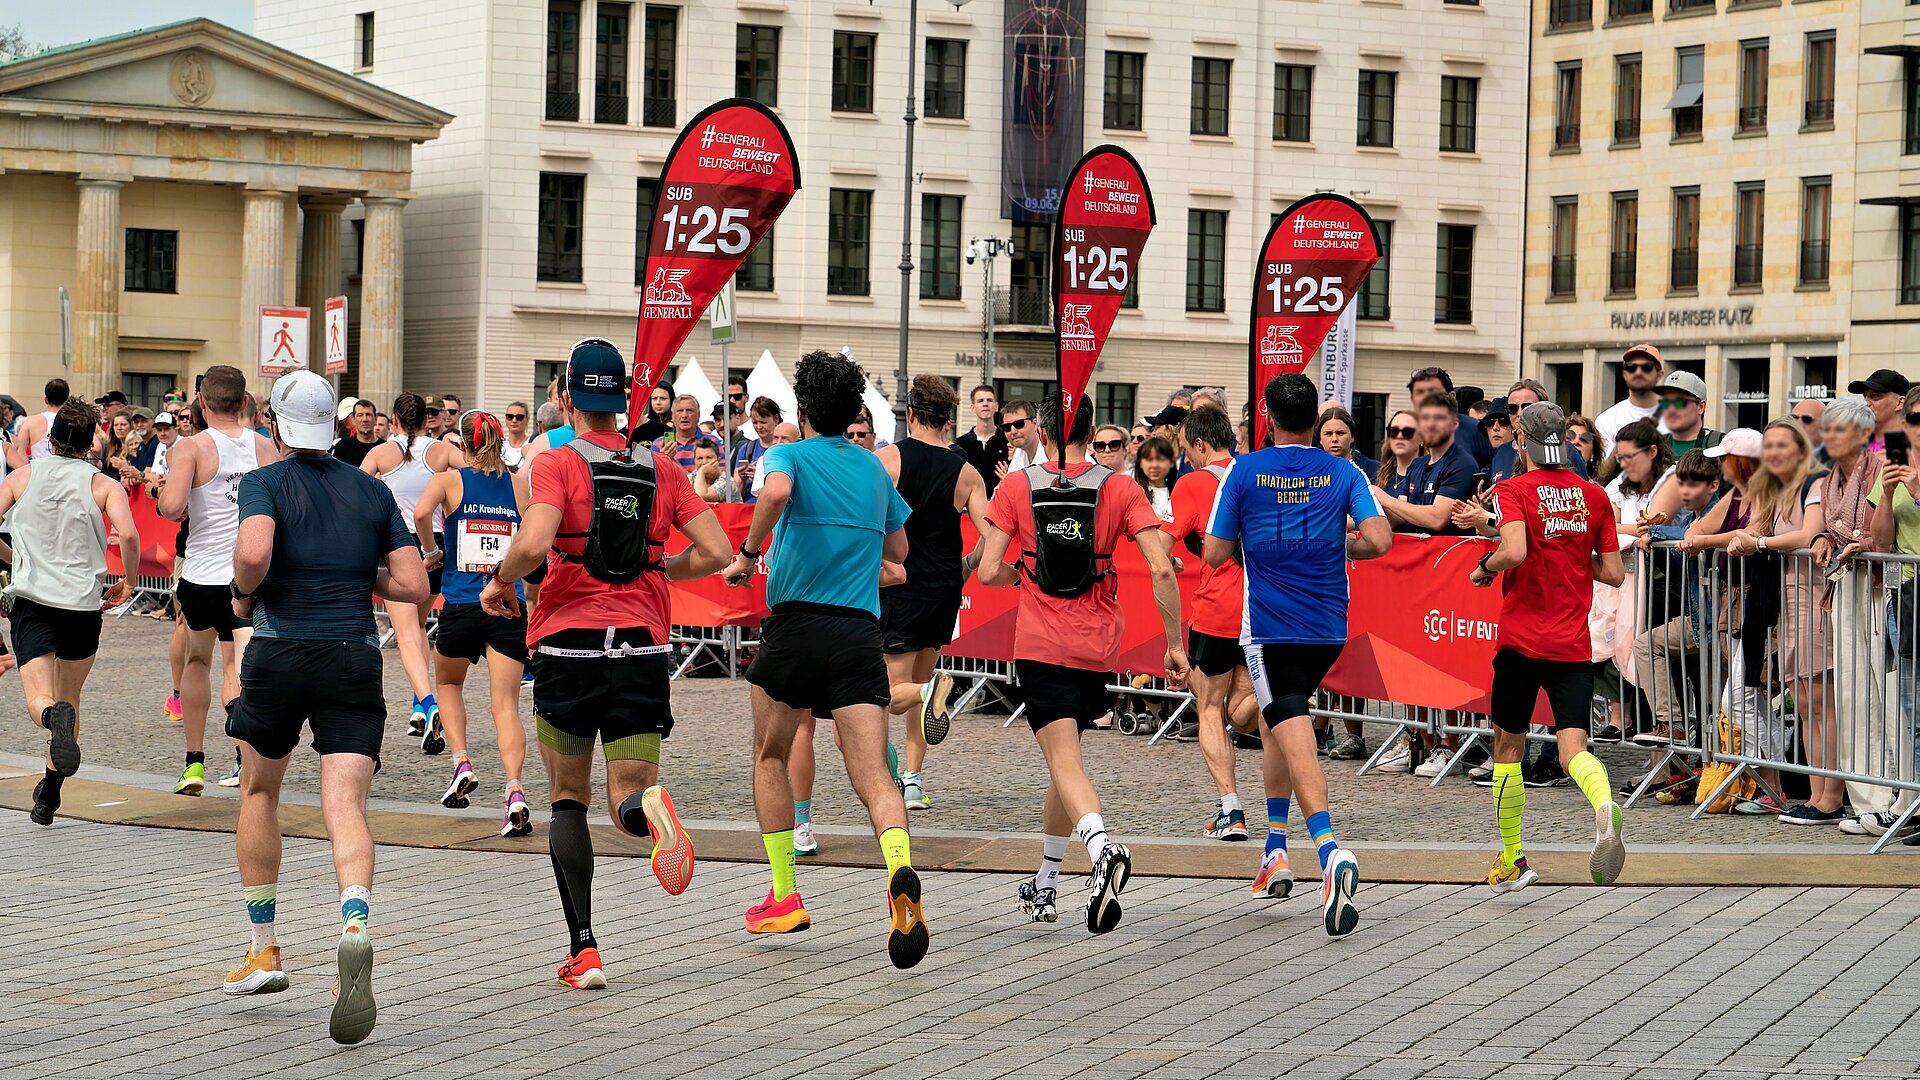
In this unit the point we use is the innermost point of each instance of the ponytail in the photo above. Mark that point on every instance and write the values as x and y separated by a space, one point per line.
410 416
481 434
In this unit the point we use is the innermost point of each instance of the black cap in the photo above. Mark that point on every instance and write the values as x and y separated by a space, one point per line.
1497 410
1884 381
111 397
1169 416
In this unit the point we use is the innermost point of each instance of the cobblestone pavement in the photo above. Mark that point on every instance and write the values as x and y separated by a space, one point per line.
114 940
984 779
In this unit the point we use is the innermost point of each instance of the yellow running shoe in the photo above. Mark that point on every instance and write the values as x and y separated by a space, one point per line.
261 974
1506 879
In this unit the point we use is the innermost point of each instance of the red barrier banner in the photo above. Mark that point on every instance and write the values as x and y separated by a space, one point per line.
709 601
1310 269
1106 212
158 537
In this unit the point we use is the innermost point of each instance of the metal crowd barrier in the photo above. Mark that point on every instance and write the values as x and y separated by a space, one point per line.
720 644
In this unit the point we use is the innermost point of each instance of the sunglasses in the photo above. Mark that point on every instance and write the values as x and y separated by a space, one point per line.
1013 425
1402 432
1137 439
1912 418
853 434
737 397
1810 420
1108 446
516 416
1640 368
1675 402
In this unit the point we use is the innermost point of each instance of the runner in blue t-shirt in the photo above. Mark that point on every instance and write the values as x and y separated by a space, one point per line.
1284 512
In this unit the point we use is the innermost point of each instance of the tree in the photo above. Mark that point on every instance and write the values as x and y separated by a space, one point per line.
14 43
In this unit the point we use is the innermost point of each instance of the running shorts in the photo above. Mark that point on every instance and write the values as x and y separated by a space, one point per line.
1212 655
1286 676
331 686
1053 692
466 632
909 623
620 700
207 607
39 630
1518 681
820 657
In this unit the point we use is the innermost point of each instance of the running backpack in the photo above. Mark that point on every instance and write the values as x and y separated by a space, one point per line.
618 548
1065 562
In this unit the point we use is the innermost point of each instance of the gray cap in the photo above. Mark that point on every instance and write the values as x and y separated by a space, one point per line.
1686 382
1545 428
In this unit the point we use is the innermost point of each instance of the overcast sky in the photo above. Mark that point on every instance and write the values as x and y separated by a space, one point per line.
68 21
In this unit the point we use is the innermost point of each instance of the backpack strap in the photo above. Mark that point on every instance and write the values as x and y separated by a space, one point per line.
589 452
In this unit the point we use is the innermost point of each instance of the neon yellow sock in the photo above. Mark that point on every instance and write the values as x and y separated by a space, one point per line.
780 861
1509 802
895 846
1588 772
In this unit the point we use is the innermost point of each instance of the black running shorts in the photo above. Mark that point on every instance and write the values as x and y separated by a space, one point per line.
1286 676
39 630
819 657
1518 680
1052 693
207 607
465 632
1212 655
331 686
622 701
910 624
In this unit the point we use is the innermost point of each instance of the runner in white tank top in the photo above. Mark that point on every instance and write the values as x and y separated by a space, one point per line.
214 509
42 446
408 480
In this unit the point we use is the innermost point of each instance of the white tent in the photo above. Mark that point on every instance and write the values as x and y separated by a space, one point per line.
882 410
693 380
766 380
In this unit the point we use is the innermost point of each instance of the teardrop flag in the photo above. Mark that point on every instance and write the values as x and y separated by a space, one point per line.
1311 266
1106 213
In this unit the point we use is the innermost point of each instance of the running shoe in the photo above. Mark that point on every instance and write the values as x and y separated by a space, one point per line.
1348 748
1609 852
1226 825
1436 763
433 734
907 937
63 745
1275 879
916 797
1338 881
353 1010
518 820
416 721
174 711
232 779
1038 904
1397 760
1482 774
1506 879
261 974
935 721
770 916
193 780
803 842
582 971
461 786
44 803
672 847
526 679
1110 873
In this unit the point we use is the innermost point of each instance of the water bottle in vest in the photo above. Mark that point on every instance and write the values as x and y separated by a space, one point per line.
618 548
1065 561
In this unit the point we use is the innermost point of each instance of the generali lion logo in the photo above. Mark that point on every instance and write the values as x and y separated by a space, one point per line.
665 297
1278 346
1076 328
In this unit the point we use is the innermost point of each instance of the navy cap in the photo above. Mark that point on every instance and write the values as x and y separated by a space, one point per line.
597 377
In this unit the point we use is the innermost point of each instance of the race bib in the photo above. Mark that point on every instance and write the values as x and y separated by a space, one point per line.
482 544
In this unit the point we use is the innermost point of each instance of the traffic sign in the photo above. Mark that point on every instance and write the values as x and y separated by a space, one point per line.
283 340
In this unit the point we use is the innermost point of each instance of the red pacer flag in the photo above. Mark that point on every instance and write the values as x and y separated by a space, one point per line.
1106 213
1310 269
726 180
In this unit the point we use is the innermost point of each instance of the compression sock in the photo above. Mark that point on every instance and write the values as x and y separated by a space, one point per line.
1092 832
1230 802
803 811
633 816
1591 776
354 903
897 849
1509 802
780 861
196 757
260 903
1320 827
1053 852
1276 826
571 847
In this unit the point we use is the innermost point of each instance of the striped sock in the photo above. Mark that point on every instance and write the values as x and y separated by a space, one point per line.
1320 827
260 908
1092 832
1509 802
1276 825
1591 776
355 901
1053 852
803 811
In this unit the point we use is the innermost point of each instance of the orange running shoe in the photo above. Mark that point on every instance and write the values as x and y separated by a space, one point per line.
261 974
907 938
1275 878
582 971
672 847
770 916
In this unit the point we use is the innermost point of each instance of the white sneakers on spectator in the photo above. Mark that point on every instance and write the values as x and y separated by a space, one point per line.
1435 764
1877 824
1397 760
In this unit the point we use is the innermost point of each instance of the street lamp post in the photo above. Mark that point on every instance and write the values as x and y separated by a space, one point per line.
906 215
989 249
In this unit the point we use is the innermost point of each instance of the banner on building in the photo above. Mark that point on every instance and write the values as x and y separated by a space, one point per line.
1336 359
336 331
1106 212
283 340
725 182
1310 269
1043 96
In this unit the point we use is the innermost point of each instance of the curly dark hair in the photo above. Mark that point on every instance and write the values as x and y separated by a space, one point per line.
828 387
932 401
71 431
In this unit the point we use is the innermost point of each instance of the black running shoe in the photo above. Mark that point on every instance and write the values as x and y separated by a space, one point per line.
43 804
1041 905
63 745
1110 874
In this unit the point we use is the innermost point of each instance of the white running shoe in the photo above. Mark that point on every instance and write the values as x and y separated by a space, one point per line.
1396 761
803 841
1609 850
1338 882
1435 765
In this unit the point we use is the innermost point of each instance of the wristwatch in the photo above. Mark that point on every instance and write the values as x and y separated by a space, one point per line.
1484 568
238 595
749 554
501 580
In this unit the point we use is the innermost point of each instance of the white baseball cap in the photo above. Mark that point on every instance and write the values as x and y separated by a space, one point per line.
302 407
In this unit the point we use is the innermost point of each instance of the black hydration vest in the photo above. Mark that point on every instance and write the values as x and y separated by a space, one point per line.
1064 560
618 548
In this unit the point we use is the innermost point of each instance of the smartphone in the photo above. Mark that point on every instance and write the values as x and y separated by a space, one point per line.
1897 448
1480 481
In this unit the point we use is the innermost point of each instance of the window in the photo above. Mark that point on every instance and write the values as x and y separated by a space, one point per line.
1566 106
1370 412
1626 99
1376 295
1206 260
1292 102
1562 14
1912 140
940 247
1683 274
1629 9
562 203
1819 108
1029 301
146 390
1113 404
1376 108
363 41
1816 236
1910 253
610 90
658 107
1562 277
1459 110
756 63
152 255
1208 111
546 371
1125 88
1749 233
1453 275
946 92
756 274
563 60
849 219
1623 253
1678 7
1689 85
646 199
852 72
1753 85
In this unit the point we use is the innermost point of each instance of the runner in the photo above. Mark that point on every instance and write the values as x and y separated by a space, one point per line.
316 538
31 442
1066 640
598 637
1222 691
1556 539
918 616
820 648
1287 509
482 503
52 506
203 485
